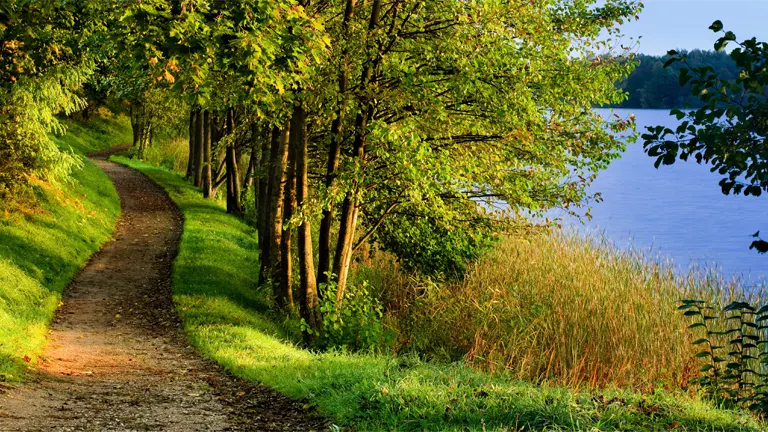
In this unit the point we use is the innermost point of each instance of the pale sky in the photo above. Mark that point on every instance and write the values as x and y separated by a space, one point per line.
683 24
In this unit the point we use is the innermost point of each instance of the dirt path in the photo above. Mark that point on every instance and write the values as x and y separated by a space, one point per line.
116 358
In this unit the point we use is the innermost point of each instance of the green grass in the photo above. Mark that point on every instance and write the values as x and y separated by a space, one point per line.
45 241
228 320
103 131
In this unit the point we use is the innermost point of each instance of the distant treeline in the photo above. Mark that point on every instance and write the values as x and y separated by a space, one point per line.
650 85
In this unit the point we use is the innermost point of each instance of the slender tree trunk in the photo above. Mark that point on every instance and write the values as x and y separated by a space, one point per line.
269 160
233 177
289 205
207 172
343 257
349 208
199 138
146 137
276 216
308 301
138 126
228 160
134 126
334 154
191 157
253 161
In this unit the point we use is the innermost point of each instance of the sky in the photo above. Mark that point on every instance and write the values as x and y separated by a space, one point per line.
683 24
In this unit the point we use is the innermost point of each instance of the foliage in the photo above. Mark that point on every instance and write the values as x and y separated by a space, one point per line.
494 106
652 86
733 351
43 63
434 248
729 131
229 322
43 247
354 324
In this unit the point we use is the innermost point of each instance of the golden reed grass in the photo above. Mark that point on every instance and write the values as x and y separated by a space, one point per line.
555 307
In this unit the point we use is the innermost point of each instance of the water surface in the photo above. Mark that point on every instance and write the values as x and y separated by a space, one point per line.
678 211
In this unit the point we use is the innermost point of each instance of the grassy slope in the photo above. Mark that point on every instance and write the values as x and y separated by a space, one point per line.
43 245
214 280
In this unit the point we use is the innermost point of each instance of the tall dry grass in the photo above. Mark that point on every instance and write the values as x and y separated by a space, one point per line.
557 308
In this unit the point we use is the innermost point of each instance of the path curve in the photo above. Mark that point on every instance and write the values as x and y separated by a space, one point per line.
116 358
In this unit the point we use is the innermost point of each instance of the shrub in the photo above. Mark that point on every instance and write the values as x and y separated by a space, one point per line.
353 324
422 244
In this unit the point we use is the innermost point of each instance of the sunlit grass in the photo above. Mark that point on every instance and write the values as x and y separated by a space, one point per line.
227 318
46 240
558 308
171 154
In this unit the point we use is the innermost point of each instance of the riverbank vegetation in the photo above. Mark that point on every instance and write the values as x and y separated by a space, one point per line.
375 390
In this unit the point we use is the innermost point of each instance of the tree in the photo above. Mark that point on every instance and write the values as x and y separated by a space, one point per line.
456 102
44 60
730 129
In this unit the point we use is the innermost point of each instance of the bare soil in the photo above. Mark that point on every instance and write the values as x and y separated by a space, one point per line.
117 359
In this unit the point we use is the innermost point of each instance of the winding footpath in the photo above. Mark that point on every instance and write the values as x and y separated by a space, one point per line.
116 358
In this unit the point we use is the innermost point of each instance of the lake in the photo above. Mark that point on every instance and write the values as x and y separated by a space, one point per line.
677 211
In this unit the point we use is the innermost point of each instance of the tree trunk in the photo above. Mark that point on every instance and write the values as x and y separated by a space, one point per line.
349 208
191 157
139 128
334 154
289 204
233 177
343 257
269 161
308 301
146 137
253 161
134 126
207 172
276 217
199 138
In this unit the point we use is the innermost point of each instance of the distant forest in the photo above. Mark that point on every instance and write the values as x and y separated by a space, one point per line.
652 86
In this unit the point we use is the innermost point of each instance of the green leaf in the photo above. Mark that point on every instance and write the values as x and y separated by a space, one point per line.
685 77
670 61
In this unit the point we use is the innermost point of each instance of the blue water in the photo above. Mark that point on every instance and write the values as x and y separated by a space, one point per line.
678 211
